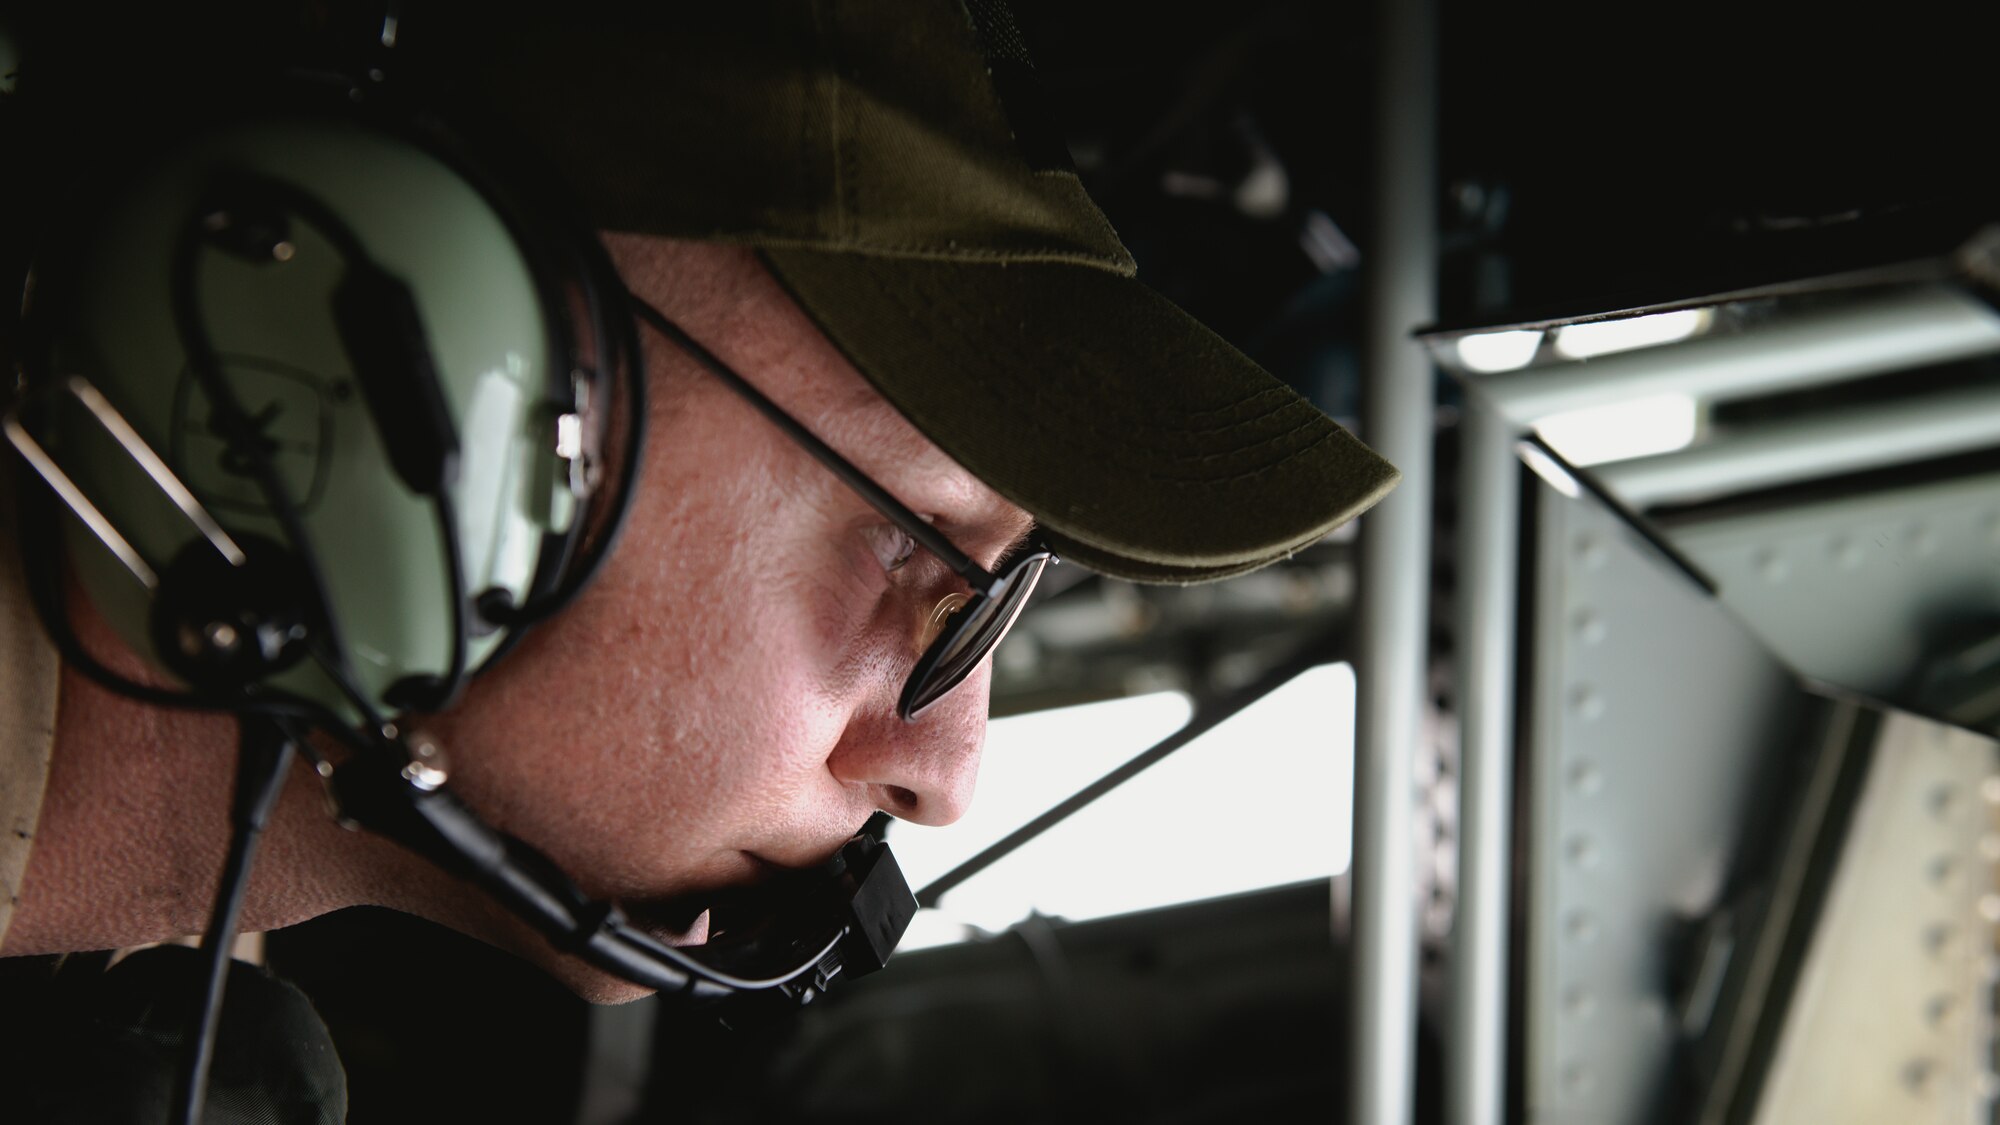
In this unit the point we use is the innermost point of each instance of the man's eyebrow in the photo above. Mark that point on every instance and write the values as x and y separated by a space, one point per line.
1016 545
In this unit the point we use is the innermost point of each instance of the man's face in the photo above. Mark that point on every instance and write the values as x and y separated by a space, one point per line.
721 702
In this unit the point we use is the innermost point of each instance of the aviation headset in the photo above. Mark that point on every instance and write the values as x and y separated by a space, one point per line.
339 412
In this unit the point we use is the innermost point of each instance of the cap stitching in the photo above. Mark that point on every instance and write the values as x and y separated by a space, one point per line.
1191 431
1168 455
1129 415
843 214
1241 423
1311 417
1247 398
1265 469
810 160
924 326
922 251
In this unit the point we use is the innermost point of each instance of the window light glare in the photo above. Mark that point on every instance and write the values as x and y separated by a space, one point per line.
1602 337
1489 352
1620 431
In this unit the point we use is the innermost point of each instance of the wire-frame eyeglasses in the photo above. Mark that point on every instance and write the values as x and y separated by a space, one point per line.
973 628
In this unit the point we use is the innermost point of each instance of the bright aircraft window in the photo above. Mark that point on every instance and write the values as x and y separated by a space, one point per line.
1263 800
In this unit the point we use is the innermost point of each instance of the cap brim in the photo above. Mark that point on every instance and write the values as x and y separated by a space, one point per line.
1145 445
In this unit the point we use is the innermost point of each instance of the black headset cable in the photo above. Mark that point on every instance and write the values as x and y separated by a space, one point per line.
264 759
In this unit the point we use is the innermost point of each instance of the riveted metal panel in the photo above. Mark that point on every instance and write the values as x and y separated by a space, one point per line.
1893 1017
1858 591
1655 715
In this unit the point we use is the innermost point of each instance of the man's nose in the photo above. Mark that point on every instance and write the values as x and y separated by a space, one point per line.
923 771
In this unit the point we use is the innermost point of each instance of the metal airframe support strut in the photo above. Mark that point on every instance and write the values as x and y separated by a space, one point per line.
1489 585
1398 420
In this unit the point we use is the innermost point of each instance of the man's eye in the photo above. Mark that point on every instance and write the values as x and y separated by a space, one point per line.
893 546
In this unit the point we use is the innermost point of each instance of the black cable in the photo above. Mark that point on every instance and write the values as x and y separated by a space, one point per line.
438 694
264 760
807 911
454 561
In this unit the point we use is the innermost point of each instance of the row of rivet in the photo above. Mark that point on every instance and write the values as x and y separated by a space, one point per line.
1944 940
1584 778
1773 565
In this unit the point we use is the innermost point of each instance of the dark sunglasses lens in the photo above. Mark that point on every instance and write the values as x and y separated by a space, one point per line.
967 641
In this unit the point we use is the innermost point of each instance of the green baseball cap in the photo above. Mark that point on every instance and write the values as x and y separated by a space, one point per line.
889 163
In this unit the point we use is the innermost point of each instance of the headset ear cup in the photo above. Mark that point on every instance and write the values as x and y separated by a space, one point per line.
365 305
416 374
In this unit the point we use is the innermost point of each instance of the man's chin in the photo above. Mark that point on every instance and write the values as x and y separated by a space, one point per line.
596 986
